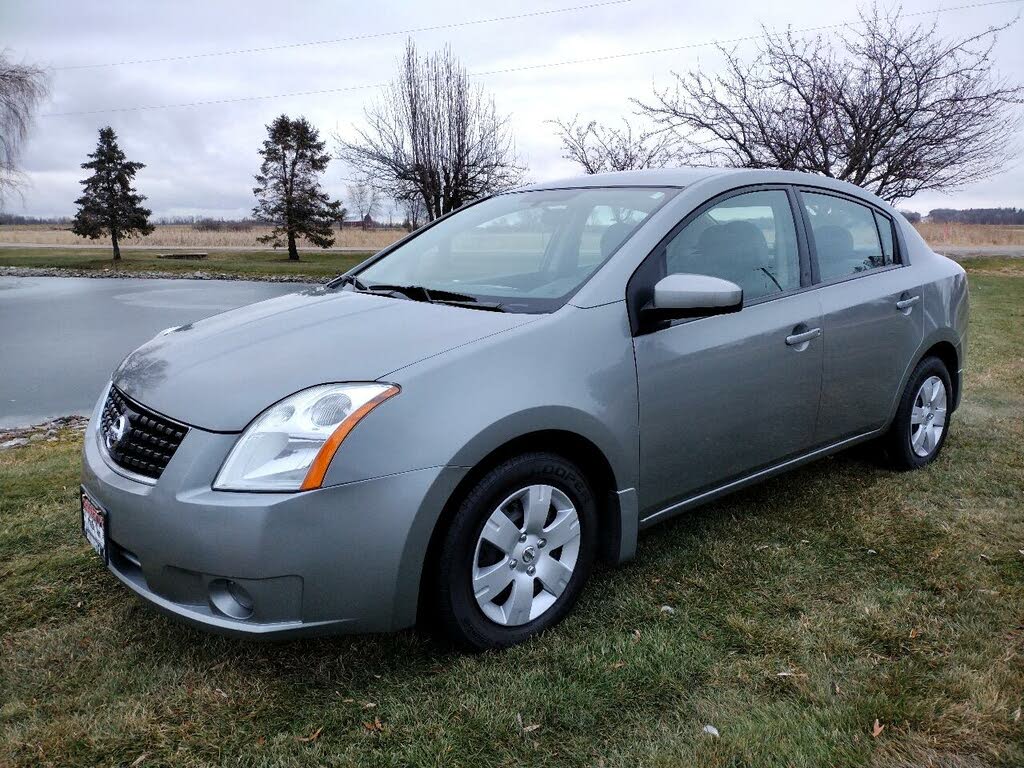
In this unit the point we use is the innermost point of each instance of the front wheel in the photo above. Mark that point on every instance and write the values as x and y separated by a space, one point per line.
919 430
517 553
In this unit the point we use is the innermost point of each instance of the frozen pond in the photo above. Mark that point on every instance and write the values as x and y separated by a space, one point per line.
60 337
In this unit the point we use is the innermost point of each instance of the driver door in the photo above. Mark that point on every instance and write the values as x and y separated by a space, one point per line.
725 395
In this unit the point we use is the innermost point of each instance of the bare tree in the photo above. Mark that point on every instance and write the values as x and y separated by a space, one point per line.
364 198
598 148
891 107
22 87
413 212
435 136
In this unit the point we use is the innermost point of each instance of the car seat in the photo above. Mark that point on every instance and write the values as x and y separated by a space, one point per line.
736 251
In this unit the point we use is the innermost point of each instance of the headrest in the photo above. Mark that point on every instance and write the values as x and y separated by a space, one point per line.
738 243
613 237
836 241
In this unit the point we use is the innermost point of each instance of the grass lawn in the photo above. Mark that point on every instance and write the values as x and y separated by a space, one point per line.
251 263
805 610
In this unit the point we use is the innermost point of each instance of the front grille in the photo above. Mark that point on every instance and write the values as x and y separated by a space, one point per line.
149 441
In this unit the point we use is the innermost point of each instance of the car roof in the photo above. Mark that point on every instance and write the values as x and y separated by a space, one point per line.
691 176
654 177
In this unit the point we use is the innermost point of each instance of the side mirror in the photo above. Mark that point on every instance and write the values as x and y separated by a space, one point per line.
682 295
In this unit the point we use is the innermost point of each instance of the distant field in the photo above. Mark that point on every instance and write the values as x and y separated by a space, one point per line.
185 236
238 254
971 234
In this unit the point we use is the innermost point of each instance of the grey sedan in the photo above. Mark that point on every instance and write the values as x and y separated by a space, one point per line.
457 429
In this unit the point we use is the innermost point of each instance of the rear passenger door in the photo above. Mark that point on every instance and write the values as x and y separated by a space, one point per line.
871 305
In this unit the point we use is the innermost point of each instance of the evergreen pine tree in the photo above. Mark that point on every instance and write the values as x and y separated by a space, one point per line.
109 204
287 190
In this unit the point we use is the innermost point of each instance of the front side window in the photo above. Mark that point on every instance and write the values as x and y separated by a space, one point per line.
845 234
527 251
749 239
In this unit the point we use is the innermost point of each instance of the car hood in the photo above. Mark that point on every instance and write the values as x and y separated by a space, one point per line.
220 373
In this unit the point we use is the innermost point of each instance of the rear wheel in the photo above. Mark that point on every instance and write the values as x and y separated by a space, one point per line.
517 553
919 430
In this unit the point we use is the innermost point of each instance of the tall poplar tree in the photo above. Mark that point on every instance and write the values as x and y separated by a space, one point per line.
287 190
109 204
435 135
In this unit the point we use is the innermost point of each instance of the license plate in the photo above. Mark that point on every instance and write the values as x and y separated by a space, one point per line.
94 526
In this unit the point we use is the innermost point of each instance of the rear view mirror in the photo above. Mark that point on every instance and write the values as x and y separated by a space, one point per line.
682 295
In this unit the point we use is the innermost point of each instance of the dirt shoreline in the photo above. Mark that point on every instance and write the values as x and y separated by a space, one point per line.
368 249
155 275
47 431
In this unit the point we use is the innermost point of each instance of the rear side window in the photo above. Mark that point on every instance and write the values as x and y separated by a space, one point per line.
749 239
846 237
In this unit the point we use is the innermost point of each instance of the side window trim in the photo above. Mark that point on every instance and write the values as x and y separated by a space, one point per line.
881 241
807 264
881 216
635 287
899 249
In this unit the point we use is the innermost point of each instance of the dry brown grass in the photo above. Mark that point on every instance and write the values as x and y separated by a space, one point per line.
184 236
971 234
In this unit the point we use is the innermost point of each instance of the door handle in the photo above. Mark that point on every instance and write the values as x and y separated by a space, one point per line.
796 339
907 303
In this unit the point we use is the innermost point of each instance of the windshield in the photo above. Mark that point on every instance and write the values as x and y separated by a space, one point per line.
524 251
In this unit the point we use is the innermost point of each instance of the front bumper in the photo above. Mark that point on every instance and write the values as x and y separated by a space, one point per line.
345 558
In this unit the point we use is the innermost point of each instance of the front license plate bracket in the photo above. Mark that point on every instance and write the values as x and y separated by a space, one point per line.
95 526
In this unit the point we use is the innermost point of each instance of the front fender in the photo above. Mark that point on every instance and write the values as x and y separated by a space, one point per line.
557 418
572 371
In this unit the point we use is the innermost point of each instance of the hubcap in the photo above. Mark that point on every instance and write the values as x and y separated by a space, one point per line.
526 555
928 418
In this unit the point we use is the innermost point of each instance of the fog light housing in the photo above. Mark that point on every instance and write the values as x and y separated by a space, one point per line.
231 599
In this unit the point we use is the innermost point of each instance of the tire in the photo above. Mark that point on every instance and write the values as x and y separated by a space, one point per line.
914 440
504 565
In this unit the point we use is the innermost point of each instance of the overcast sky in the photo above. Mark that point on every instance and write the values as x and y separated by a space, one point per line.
201 159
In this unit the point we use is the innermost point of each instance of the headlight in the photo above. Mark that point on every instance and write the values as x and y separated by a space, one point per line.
291 444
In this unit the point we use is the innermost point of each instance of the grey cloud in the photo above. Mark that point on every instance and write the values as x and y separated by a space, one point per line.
202 159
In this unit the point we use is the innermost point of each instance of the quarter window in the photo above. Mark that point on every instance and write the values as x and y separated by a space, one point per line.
846 237
749 239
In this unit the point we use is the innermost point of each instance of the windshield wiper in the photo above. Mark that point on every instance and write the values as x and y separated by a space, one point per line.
487 306
414 292
422 293
352 280
429 295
